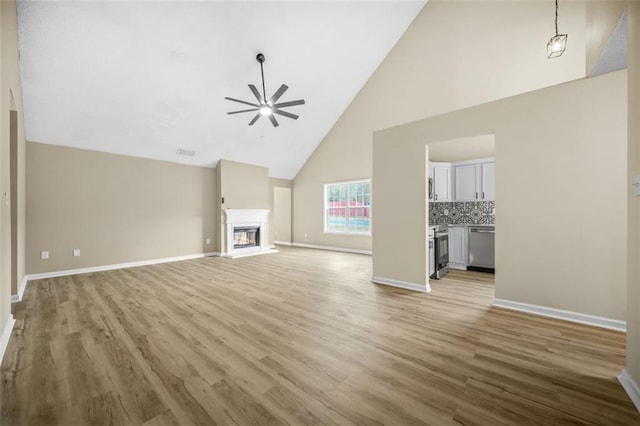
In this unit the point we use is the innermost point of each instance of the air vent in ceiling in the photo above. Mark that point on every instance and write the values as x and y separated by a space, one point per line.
187 152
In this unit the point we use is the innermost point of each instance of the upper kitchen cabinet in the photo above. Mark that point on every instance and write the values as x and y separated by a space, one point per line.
466 178
475 180
440 174
488 170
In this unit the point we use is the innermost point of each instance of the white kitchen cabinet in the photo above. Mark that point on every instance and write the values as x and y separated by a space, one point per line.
458 251
442 183
474 180
488 170
441 175
466 182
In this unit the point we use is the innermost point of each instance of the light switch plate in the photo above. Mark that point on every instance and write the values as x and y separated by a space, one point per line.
636 185
76 252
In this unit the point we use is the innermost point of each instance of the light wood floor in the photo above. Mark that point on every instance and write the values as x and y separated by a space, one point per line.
300 337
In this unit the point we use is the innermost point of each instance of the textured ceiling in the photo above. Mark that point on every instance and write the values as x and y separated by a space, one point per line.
146 78
614 56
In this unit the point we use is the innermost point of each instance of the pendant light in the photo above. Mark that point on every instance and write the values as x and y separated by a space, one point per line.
558 43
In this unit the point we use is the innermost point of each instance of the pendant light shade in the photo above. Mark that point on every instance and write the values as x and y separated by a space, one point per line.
558 43
556 46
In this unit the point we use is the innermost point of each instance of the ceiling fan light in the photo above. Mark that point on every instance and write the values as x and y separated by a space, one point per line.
266 107
557 45
266 110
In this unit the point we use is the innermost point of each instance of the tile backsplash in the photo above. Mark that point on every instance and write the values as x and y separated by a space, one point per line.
462 213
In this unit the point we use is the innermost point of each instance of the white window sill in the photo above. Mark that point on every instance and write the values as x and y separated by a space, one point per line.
362 234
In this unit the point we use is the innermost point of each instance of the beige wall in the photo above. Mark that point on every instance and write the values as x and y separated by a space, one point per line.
11 98
454 55
480 146
399 173
282 215
243 186
633 253
560 187
218 216
280 206
114 208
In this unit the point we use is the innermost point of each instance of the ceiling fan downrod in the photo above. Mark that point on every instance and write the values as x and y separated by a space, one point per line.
260 58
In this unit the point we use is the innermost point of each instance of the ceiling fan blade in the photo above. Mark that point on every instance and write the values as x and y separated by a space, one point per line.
254 119
273 121
256 93
278 93
242 102
244 110
286 114
290 103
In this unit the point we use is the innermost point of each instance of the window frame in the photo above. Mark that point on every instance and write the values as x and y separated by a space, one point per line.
347 231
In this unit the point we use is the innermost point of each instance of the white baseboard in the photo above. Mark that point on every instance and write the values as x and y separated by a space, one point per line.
402 284
6 335
631 387
54 274
545 311
23 284
345 250
283 243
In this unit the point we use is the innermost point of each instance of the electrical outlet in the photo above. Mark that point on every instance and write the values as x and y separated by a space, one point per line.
44 255
305 235
207 241
76 252
446 212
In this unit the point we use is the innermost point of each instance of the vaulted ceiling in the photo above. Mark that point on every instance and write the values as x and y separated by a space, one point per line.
149 78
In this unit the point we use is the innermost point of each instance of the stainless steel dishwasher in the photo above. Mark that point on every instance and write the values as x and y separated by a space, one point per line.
482 248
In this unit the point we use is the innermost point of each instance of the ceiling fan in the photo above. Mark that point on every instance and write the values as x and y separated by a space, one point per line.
265 106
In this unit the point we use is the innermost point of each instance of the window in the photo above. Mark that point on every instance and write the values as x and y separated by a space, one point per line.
347 207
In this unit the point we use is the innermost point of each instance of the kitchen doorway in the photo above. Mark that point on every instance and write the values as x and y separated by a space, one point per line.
461 206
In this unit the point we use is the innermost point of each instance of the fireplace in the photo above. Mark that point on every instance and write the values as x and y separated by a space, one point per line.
247 232
246 236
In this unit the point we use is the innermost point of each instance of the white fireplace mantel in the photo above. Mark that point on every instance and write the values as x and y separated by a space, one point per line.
237 218
244 216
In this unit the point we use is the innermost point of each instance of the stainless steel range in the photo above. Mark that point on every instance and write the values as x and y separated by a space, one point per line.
441 251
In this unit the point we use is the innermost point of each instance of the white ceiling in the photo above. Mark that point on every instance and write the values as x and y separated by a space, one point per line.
146 78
